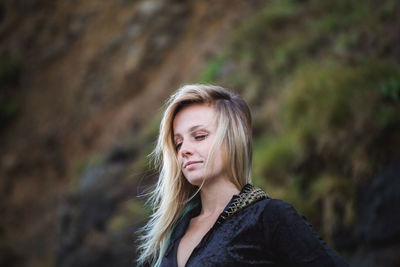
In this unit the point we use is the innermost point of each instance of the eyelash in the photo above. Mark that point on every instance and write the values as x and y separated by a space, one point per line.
200 136
197 137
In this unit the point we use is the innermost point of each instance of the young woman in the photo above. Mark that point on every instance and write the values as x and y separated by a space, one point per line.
206 211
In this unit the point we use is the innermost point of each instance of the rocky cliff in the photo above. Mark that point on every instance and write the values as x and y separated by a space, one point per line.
82 86
77 77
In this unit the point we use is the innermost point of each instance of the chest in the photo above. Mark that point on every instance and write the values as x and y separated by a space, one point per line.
239 241
234 243
196 230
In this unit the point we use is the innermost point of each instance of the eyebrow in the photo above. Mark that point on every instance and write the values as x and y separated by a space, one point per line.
192 129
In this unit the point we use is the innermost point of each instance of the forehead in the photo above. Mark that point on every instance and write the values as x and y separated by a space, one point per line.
194 115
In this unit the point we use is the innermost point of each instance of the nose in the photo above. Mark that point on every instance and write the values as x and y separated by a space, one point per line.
186 149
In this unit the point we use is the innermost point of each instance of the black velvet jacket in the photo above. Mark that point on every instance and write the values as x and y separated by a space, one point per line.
254 230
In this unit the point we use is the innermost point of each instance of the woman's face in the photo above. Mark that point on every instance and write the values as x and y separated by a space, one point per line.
195 130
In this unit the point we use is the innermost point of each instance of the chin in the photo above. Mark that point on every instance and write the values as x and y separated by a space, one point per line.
195 181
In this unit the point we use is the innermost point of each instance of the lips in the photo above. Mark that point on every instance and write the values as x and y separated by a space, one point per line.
190 163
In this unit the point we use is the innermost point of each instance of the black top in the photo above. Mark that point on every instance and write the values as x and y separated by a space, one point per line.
254 230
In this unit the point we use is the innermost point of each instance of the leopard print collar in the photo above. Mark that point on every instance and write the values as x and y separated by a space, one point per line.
246 197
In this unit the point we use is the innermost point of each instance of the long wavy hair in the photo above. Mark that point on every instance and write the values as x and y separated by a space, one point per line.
173 192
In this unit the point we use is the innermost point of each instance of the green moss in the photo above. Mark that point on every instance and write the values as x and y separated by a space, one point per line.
275 157
211 72
346 42
391 88
387 115
319 96
331 97
327 184
341 13
287 54
275 14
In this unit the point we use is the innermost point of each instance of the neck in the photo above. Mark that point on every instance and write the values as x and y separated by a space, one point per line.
216 195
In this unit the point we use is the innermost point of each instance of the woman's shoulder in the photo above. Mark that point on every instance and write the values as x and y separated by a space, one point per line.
290 235
293 238
276 205
277 214
277 210
251 195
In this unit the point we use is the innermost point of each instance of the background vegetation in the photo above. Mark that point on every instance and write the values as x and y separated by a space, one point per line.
322 79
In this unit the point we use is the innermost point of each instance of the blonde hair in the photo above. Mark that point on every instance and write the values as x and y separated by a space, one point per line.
172 191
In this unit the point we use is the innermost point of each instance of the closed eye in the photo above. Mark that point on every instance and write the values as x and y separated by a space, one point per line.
201 136
197 137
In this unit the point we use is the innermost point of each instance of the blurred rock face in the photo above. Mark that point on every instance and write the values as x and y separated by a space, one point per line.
379 215
379 219
77 77
81 82
86 238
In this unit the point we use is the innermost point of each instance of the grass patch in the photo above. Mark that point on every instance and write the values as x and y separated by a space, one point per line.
212 71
